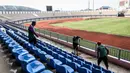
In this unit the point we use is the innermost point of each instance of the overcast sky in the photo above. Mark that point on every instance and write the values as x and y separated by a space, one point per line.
61 4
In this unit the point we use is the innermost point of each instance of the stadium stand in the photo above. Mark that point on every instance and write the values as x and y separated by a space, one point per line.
20 16
109 12
13 13
80 13
56 58
1 8
16 8
45 14
62 13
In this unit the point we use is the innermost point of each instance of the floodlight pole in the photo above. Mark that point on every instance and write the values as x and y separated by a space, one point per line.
93 5
88 4
118 4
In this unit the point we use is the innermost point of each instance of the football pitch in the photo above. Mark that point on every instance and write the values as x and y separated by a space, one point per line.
117 26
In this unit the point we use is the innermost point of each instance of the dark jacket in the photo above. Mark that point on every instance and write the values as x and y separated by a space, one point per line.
31 33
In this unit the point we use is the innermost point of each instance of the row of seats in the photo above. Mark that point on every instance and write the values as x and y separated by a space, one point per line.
44 56
74 58
57 58
27 61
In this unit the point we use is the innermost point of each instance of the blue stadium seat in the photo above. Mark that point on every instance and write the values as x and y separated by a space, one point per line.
17 47
35 50
64 69
60 56
25 59
26 44
67 61
72 58
45 49
32 49
94 70
16 52
8 41
53 53
68 56
87 66
54 62
46 71
35 67
97 67
46 57
63 53
80 62
84 70
2 38
5 38
54 49
89 63
39 45
50 47
42 43
40 52
58 51
74 65
12 45
49 52
78 58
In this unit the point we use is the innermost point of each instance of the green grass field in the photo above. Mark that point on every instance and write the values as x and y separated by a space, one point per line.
118 26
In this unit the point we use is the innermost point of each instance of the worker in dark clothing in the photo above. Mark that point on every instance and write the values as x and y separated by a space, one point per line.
102 53
76 40
32 33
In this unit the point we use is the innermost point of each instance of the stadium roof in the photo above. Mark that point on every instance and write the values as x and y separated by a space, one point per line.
105 7
16 8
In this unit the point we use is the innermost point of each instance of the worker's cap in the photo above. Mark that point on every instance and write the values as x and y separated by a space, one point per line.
99 43
33 22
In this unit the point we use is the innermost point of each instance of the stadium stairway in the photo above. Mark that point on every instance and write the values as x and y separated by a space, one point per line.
56 58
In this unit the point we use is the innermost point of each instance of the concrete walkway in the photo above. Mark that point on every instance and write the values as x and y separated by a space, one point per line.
7 62
4 67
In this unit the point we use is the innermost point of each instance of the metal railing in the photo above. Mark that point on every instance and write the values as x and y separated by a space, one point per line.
116 52
57 17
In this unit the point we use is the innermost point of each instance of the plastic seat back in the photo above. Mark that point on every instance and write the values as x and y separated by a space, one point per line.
35 67
64 69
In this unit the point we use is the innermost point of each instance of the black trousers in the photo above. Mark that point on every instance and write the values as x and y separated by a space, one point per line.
75 47
104 59
33 41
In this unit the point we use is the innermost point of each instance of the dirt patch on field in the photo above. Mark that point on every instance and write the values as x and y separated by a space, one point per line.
118 41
